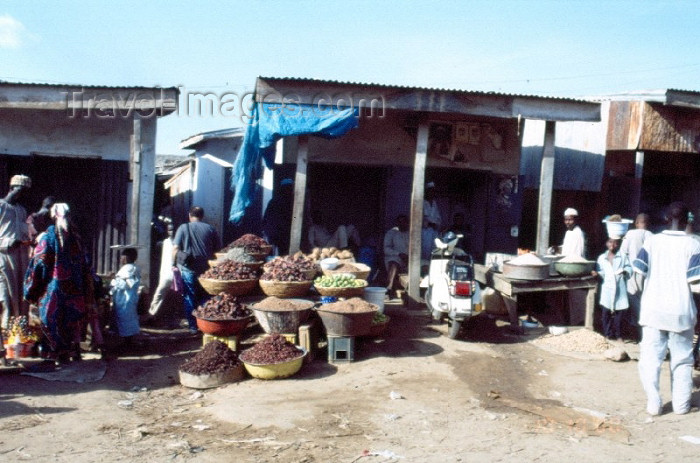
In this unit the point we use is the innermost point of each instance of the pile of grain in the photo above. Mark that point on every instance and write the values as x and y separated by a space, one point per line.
527 259
582 340
278 305
352 305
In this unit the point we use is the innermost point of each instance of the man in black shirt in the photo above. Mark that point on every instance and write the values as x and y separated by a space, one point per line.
194 244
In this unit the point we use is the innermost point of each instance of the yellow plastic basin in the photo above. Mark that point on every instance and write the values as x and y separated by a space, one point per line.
275 370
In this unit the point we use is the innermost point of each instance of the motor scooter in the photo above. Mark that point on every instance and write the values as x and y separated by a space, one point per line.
451 291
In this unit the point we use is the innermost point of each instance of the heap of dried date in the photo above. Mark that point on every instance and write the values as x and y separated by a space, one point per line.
288 268
223 306
215 357
249 242
273 349
230 270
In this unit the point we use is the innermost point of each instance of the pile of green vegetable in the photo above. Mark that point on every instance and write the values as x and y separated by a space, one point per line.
343 280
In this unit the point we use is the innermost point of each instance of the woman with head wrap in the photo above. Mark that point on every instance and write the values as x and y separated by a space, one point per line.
58 280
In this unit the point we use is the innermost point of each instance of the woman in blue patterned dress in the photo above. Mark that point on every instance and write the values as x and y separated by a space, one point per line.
58 281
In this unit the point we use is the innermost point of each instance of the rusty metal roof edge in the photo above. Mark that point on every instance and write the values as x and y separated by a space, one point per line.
418 88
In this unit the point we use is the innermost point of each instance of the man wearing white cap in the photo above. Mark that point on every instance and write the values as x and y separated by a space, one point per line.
431 211
574 241
14 254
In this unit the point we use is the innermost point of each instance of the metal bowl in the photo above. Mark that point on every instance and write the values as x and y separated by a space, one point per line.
573 269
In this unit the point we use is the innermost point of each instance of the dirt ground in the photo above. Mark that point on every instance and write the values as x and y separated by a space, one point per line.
411 396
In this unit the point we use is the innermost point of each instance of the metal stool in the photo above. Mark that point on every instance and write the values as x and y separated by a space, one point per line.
341 349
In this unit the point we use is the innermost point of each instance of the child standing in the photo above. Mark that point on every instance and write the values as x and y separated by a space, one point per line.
614 269
124 289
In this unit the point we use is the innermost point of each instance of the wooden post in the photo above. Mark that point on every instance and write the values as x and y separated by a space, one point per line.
414 248
638 172
299 194
135 180
590 307
544 210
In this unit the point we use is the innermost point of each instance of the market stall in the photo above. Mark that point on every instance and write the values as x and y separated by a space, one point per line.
511 288
399 138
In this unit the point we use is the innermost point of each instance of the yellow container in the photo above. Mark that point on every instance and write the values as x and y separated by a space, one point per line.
291 338
275 370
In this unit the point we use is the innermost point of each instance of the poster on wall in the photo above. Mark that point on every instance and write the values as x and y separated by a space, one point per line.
440 137
467 142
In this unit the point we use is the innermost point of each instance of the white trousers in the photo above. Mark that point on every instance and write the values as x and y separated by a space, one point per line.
164 285
651 357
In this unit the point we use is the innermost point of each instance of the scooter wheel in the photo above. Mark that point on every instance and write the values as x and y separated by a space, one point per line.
453 329
437 316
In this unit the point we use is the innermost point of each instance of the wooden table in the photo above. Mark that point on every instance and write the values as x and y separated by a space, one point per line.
510 288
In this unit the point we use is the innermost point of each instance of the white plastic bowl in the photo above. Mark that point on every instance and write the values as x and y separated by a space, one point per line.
329 263
557 330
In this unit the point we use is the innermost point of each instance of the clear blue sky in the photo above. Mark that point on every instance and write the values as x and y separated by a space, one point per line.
559 47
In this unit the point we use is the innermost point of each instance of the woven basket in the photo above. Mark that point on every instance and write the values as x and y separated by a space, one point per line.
232 287
342 292
361 273
285 288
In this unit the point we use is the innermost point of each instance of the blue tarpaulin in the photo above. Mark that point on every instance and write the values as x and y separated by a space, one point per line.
270 122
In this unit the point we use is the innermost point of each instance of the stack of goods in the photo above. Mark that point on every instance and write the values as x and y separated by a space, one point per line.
237 255
252 244
526 267
318 254
350 317
273 357
232 277
289 268
288 276
19 337
223 306
223 315
360 270
339 285
277 315
230 270
214 365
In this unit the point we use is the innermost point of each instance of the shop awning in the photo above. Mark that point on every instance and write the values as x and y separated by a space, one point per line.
269 122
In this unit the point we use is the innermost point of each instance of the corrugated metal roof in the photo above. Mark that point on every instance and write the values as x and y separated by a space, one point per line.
651 95
415 88
192 141
120 87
